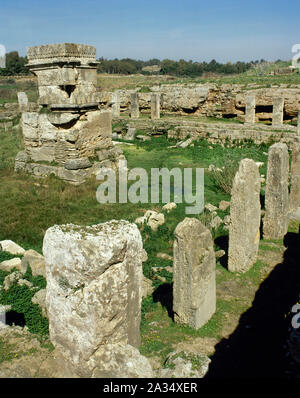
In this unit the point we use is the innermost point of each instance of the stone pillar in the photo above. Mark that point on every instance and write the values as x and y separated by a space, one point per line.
245 215
277 193
298 123
194 288
94 280
130 135
250 109
116 104
278 104
134 110
155 105
74 127
23 101
294 199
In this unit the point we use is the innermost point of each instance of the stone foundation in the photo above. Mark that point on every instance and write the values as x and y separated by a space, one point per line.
217 133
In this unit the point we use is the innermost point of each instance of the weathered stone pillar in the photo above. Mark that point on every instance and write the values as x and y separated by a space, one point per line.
155 105
116 104
194 287
23 101
298 123
250 109
277 193
294 199
94 279
74 126
134 110
278 104
245 215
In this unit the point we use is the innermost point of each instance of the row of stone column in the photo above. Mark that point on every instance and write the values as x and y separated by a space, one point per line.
134 105
245 208
277 116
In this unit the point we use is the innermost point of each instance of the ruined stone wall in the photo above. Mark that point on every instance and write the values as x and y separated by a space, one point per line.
227 100
214 132
62 136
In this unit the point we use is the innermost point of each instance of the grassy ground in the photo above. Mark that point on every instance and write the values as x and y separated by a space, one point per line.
29 206
9 87
113 82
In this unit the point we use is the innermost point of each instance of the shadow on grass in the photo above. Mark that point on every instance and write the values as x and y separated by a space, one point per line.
223 243
15 318
164 295
256 348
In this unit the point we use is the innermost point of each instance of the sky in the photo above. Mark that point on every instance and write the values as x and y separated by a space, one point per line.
194 30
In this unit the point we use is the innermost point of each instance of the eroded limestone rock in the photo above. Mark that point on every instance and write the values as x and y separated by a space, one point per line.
294 198
245 216
93 299
36 262
8 265
71 126
194 269
11 247
276 194
40 299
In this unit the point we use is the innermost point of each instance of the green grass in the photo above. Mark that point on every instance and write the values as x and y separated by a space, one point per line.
19 298
7 351
114 82
10 87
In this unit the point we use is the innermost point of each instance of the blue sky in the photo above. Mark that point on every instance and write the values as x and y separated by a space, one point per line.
142 29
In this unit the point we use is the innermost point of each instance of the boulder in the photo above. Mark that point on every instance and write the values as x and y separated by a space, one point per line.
40 299
169 206
8 265
35 261
180 365
131 132
93 298
76 164
223 205
154 219
11 247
